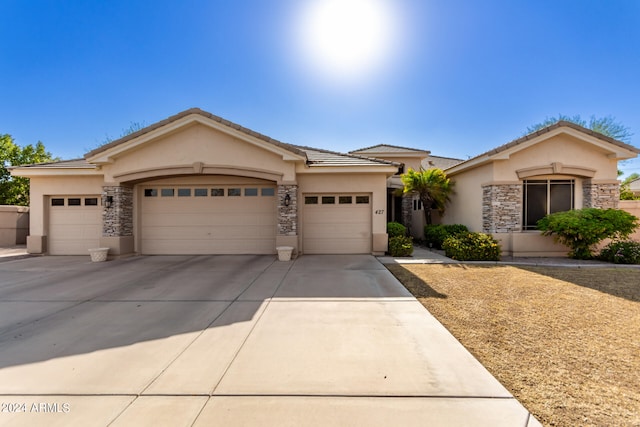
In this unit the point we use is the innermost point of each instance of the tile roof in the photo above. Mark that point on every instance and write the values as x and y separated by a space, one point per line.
186 113
386 148
440 162
61 164
318 157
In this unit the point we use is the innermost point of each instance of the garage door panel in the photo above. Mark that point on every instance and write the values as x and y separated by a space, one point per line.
207 232
208 224
334 231
74 229
206 247
161 219
336 228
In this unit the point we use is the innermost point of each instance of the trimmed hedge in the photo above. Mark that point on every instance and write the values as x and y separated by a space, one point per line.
400 246
395 229
621 252
472 247
436 234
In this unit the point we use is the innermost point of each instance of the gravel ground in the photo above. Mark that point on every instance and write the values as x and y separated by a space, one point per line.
564 341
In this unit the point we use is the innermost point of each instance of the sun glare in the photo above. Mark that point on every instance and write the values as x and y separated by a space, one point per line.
346 39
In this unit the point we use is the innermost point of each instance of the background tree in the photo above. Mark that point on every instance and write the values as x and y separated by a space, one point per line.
432 186
607 126
15 190
625 191
132 128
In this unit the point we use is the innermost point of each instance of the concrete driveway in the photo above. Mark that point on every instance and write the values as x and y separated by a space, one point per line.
231 340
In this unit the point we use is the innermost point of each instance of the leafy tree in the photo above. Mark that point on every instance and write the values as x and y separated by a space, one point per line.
15 190
607 126
625 191
432 186
581 229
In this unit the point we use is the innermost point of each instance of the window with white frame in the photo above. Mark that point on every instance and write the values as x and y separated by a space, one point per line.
546 196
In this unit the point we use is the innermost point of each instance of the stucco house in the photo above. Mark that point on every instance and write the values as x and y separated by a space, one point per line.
634 186
505 191
198 184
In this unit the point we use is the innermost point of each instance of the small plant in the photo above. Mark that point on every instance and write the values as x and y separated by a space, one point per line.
472 247
581 229
435 235
395 229
400 246
621 252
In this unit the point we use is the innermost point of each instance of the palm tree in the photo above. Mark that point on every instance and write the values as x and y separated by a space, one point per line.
432 187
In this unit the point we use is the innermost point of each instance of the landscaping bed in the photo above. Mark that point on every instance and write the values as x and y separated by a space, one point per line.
564 341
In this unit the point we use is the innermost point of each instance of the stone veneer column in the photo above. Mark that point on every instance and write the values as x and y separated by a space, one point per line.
600 195
501 208
288 215
407 210
117 220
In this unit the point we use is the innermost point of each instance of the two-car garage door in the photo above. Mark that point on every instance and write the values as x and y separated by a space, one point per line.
208 219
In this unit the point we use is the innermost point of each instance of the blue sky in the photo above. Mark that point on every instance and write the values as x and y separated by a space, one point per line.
457 77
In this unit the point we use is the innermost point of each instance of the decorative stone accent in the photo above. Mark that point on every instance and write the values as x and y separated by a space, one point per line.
501 208
117 220
288 215
603 196
407 210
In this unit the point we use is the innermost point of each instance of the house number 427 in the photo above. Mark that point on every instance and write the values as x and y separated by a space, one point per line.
379 211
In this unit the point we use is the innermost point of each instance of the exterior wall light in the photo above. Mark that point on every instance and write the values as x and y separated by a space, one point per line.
108 202
287 200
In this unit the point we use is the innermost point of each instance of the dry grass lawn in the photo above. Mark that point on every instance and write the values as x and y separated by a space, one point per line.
564 341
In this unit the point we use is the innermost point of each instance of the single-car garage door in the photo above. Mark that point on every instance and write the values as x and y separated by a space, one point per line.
193 220
75 224
337 224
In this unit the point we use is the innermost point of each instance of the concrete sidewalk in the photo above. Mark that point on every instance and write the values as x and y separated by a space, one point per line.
426 256
242 340
13 252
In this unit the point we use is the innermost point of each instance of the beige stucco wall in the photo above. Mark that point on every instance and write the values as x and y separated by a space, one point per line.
633 207
466 204
562 148
374 184
199 143
14 225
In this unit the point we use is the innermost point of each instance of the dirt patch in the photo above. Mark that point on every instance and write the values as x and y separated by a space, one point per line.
564 341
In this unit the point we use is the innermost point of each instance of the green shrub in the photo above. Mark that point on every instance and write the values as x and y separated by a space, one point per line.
395 229
581 229
435 235
621 252
472 247
400 246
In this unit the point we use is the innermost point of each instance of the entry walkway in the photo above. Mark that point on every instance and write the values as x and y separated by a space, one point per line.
232 341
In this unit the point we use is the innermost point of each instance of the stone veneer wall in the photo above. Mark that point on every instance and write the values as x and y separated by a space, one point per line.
501 208
601 196
288 215
117 221
407 210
